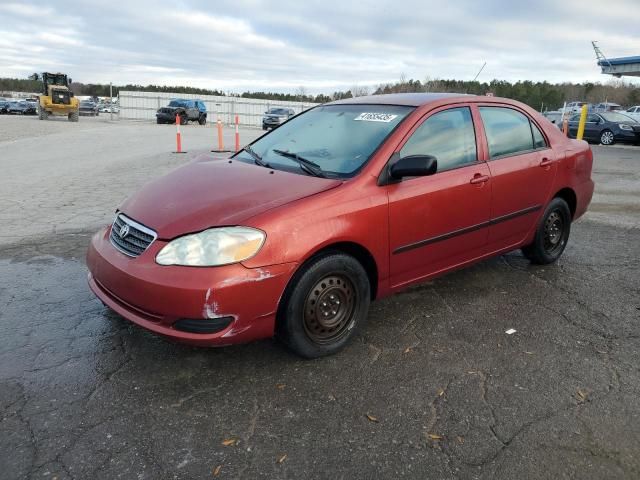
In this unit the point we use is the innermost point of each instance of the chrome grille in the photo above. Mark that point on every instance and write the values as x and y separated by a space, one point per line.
135 238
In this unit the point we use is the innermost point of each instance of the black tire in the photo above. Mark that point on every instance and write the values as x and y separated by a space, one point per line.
74 116
43 114
334 286
607 137
184 119
551 235
158 121
202 120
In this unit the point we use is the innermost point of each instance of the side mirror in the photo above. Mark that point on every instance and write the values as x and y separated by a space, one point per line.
414 166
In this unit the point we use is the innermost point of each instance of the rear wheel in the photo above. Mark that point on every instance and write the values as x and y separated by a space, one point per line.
184 119
73 116
324 305
607 137
43 114
202 120
552 234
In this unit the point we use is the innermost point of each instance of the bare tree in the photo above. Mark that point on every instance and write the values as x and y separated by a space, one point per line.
359 91
301 93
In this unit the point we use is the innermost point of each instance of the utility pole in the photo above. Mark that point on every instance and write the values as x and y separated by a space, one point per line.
111 101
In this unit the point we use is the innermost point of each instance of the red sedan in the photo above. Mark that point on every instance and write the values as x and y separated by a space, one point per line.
348 202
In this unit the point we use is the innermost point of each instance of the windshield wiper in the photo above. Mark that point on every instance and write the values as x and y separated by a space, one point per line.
306 165
256 158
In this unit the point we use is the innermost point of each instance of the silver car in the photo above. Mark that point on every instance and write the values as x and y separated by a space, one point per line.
276 116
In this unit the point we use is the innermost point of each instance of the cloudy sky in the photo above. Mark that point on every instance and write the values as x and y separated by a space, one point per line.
322 45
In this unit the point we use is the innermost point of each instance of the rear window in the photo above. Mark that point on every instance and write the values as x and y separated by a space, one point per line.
509 132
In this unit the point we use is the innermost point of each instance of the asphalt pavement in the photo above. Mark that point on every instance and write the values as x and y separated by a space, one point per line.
433 386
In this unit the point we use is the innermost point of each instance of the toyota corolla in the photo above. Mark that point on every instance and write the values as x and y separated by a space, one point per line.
346 203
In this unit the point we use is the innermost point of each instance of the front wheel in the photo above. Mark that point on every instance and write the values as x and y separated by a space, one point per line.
551 235
323 306
607 138
73 116
202 120
183 119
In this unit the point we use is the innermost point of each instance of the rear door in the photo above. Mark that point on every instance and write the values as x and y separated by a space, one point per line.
439 221
522 168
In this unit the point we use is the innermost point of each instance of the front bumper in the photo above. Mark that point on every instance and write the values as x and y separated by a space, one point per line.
166 117
155 297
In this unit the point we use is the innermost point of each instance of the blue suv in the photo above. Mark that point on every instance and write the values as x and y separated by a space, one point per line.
187 110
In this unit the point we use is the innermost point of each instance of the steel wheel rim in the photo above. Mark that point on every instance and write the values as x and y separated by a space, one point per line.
607 138
329 309
554 232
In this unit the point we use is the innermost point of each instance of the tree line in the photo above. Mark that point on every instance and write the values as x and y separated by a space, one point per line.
539 95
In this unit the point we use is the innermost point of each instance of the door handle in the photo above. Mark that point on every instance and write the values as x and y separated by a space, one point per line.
479 178
546 162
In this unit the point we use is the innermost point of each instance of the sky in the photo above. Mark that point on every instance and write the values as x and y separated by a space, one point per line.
319 45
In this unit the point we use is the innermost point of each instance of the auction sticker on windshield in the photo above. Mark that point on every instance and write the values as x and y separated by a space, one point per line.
375 117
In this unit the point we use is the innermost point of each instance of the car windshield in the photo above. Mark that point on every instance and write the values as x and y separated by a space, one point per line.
617 117
339 139
277 111
178 103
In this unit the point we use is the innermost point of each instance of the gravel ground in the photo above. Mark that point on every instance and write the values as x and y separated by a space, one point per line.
433 387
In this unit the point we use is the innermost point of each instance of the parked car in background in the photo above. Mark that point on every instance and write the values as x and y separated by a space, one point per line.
346 203
20 107
187 111
276 116
554 117
89 108
607 128
105 108
4 106
572 108
31 107
633 112
606 107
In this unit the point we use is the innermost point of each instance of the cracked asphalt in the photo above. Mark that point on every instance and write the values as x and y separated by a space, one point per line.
432 387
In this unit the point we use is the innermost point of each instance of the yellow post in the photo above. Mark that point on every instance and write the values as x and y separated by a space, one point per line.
583 120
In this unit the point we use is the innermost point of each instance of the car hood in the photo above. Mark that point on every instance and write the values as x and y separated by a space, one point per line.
208 193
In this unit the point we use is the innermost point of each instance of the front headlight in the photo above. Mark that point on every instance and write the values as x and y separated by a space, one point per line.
213 247
624 126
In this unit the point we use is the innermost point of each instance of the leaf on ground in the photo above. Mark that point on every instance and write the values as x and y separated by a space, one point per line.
216 471
280 386
230 442
581 395
434 436
282 458
372 418
407 350
460 439
440 392
528 353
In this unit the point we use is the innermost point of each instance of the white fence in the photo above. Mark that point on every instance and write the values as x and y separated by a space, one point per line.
143 106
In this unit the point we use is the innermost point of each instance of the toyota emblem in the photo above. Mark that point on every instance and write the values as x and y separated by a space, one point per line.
124 231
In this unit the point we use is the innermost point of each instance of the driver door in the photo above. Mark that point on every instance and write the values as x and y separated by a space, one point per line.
438 222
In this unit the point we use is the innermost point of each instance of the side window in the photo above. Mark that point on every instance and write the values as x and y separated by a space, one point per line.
592 118
538 138
508 131
449 136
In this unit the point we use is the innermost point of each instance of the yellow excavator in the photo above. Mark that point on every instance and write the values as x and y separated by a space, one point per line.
57 97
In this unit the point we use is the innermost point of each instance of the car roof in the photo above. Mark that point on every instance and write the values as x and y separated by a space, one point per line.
405 99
